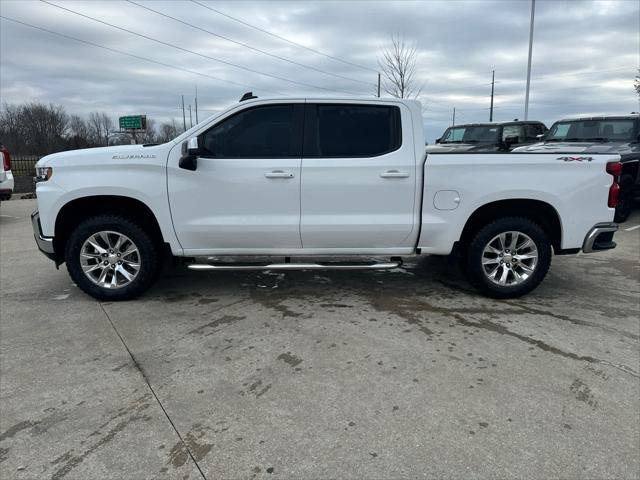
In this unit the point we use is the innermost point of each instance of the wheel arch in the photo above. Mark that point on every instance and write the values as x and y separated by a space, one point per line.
79 209
538 211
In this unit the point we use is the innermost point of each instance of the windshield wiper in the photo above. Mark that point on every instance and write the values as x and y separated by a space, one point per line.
598 139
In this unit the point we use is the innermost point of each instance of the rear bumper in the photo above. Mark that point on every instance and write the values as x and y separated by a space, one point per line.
600 237
45 244
6 183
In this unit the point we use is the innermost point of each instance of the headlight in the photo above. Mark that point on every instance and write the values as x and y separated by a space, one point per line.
43 174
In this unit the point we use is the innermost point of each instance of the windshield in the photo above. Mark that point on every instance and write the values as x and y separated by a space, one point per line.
474 134
592 131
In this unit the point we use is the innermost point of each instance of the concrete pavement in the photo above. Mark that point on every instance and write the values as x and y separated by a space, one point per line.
399 374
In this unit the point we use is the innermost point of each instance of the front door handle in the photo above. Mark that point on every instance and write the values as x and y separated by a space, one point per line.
394 174
279 174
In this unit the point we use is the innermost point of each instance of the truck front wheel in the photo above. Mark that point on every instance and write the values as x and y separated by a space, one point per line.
508 257
111 258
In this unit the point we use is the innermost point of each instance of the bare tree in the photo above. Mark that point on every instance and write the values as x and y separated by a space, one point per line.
78 133
34 128
41 129
636 84
398 65
149 135
168 131
99 126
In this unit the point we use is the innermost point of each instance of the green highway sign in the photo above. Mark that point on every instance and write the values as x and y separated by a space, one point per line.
133 122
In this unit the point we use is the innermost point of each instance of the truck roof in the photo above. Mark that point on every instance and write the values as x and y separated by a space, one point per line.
330 99
496 124
630 116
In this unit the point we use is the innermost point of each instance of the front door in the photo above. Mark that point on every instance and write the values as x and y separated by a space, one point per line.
358 178
244 196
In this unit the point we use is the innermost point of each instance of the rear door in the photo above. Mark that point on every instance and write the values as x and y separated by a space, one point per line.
358 177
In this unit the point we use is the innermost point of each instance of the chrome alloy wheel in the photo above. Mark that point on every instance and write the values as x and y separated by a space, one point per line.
110 259
510 258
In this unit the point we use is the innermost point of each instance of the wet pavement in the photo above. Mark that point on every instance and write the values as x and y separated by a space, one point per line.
398 374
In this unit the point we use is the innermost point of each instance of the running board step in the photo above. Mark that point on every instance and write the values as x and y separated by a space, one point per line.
296 266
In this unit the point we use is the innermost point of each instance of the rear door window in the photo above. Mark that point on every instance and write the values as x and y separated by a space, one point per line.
533 130
513 131
335 131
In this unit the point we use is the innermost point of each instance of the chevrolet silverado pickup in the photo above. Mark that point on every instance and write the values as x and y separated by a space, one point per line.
329 179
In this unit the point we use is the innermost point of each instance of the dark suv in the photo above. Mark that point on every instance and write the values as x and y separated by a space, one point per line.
488 137
612 134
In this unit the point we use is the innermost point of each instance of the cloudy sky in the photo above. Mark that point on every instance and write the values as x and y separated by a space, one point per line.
585 56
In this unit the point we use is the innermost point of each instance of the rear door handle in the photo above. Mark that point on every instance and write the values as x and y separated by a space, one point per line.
394 174
279 174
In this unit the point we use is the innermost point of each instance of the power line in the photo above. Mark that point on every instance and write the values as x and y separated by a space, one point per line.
194 52
310 67
591 72
506 83
132 55
275 35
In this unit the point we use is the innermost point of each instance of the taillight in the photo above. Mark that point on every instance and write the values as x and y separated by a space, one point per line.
6 160
615 170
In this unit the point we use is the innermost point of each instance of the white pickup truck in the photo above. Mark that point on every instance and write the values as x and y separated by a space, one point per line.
317 178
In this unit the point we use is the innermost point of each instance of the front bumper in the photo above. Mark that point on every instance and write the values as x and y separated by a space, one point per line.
600 237
45 244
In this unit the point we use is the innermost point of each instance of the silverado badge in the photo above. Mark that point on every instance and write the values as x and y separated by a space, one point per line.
131 157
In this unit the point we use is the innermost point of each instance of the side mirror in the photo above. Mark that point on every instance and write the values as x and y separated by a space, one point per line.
190 152
511 140
438 140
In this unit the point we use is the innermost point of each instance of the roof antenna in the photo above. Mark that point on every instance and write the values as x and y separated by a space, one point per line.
248 96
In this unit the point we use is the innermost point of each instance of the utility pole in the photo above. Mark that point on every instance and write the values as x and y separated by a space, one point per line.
184 119
196 100
526 96
493 77
190 118
378 84
454 116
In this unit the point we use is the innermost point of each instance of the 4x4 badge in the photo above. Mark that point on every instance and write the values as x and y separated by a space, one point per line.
575 159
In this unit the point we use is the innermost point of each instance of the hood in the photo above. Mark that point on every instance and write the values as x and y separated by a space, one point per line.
118 153
462 147
581 147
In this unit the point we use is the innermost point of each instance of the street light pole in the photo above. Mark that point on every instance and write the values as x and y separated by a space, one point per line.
184 119
526 97
493 77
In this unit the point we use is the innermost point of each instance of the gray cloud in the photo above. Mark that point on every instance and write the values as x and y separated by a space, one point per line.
586 54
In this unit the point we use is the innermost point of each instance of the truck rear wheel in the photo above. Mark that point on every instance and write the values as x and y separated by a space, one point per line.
508 257
111 258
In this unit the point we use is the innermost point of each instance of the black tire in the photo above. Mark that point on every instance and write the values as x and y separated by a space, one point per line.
149 260
625 199
475 271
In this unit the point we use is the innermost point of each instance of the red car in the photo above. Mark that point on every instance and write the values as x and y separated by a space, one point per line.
6 177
